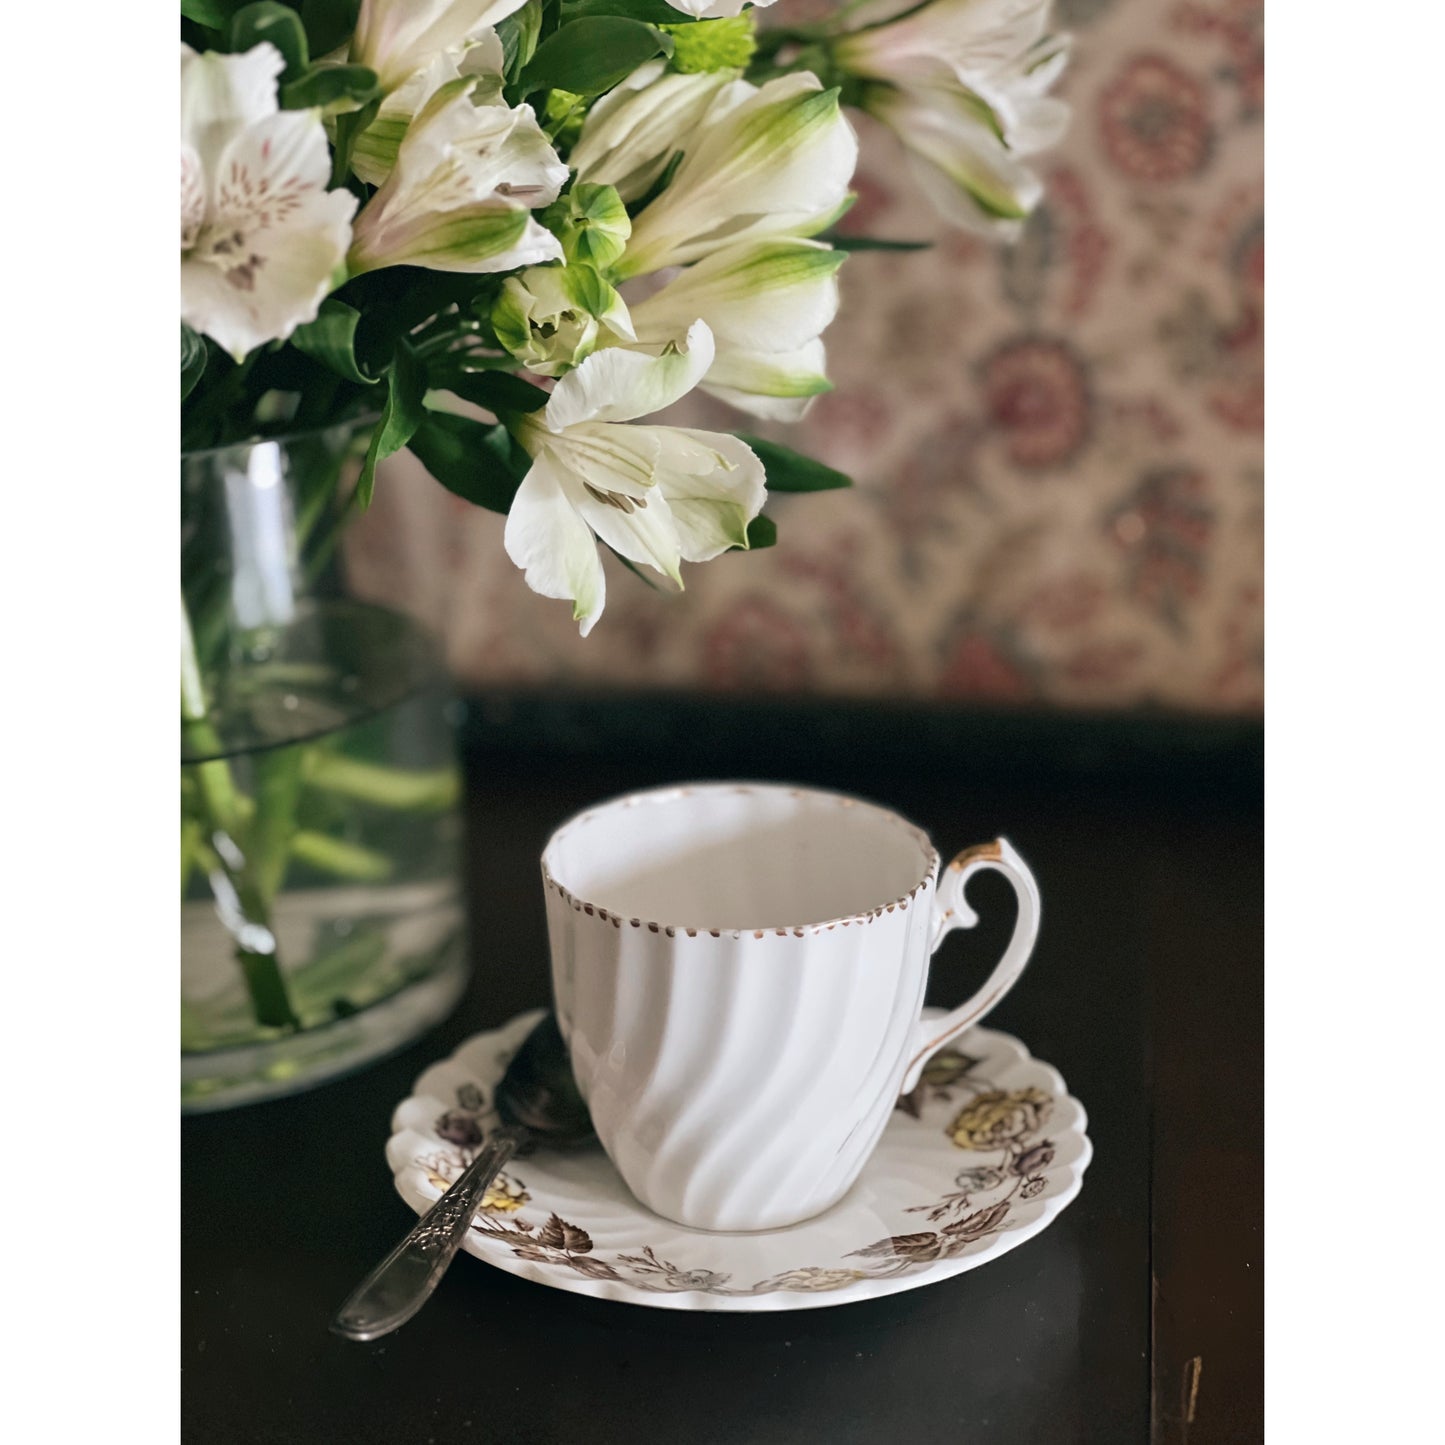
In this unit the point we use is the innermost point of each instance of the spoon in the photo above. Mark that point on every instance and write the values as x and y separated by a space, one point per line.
538 1103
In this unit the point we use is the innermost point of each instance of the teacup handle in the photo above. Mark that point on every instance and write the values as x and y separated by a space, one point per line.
950 911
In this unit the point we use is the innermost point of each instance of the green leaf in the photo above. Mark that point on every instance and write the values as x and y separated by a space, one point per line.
790 471
402 414
762 532
279 24
328 23
193 360
593 54
519 33
325 85
396 301
215 13
331 339
498 391
479 463
874 243
348 127
656 12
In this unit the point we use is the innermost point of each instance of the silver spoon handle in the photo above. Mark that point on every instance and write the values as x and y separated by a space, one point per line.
402 1283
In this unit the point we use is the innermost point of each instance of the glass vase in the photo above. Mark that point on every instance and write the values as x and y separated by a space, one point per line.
321 923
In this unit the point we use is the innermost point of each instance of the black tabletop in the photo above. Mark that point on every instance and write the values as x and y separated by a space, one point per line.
1137 1313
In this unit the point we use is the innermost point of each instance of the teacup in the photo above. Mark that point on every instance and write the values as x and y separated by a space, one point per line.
739 971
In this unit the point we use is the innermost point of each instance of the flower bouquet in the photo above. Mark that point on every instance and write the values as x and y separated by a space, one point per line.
504 234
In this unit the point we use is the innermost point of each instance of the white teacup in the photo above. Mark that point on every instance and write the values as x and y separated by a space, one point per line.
739 972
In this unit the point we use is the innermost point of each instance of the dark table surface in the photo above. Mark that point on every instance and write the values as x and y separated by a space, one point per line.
1137 1315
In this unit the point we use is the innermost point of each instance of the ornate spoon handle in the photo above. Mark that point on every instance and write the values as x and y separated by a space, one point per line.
402 1283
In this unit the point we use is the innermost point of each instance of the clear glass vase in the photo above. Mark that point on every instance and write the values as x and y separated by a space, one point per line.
321 923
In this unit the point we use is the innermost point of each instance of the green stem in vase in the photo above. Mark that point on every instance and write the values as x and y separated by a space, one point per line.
278 789
240 895
428 791
339 858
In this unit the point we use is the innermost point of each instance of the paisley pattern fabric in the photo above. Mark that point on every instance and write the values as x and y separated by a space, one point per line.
1057 448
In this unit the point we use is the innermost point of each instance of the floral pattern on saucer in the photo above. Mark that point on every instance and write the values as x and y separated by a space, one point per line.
984 1152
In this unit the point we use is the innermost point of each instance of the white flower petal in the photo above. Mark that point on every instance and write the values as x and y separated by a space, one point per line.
456 152
623 93
457 194
481 59
636 526
485 59
617 385
373 154
788 409
619 460
963 86
1040 127
1041 65
779 386
655 495
480 240
273 236
771 295
398 37
268 168
534 173
193 196
769 163
714 485
281 284
606 473
960 163
1031 121
715 9
766 304
547 538
964 38
221 94
617 318
632 131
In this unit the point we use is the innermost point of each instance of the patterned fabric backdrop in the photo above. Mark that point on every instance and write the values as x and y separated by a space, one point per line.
1057 448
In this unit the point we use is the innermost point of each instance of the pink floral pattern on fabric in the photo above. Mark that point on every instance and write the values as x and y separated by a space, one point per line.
1057 447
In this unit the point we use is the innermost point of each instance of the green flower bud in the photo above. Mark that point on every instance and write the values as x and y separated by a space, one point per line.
552 317
591 223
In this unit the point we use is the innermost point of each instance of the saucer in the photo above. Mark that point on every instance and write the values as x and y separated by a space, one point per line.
986 1152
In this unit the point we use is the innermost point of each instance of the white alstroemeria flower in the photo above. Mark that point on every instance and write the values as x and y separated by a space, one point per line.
960 38
458 197
972 178
551 317
634 130
658 495
765 161
767 304
261 236
373 152
1032 121
396 38
715 9
962 84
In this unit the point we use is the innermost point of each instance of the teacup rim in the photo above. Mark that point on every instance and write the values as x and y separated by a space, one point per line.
671 792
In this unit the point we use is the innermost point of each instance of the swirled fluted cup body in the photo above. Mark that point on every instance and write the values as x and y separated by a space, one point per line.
738 972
